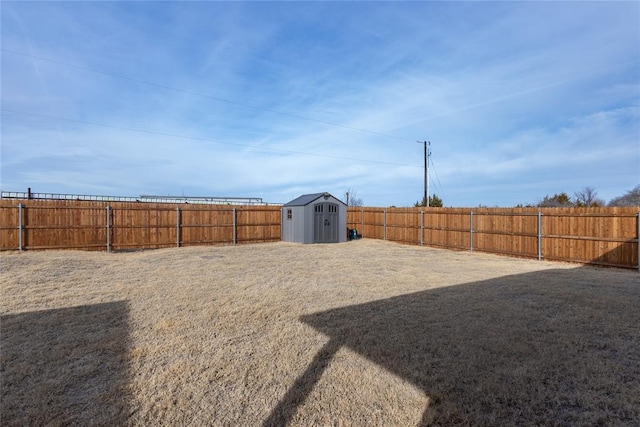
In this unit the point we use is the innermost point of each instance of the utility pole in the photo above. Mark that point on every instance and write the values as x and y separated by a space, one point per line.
427 153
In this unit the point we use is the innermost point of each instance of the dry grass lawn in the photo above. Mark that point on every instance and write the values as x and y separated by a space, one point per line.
360 333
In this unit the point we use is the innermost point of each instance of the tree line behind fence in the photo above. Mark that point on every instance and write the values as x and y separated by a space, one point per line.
603 236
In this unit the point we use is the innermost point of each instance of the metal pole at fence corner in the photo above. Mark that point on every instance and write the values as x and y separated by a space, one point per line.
471 231
421 228
384 236
108 228
178 227
20 227
235 227
539 236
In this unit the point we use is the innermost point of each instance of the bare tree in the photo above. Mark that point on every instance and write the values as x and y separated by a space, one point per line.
351 198
631 198
588 197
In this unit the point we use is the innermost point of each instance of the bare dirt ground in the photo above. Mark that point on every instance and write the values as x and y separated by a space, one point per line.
360 333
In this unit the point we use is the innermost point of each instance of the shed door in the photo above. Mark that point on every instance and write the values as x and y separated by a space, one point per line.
325 223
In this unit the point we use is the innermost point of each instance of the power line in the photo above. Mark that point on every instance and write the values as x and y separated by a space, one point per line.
437 178
197 138
201 95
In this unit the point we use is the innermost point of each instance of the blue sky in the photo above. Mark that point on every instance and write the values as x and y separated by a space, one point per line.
278 99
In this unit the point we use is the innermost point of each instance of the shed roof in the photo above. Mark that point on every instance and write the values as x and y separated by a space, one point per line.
305 199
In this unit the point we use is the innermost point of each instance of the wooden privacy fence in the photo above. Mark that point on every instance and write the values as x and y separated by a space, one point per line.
602 236
33 224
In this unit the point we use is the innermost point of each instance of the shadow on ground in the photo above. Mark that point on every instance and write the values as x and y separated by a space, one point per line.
559 347
65 366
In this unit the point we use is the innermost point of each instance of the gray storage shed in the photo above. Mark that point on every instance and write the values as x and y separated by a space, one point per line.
314 218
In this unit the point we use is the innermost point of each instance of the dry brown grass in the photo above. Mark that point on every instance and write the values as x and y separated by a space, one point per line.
361 333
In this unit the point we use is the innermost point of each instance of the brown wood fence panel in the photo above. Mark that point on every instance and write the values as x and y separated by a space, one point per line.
205 226
373 223
9 223
142 227
355 218
62 227
604 236
258 224
505 232
447 228
403 225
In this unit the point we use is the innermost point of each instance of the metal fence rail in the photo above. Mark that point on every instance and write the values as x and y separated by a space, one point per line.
213 200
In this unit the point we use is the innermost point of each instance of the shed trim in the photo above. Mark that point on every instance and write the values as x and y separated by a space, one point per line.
306 199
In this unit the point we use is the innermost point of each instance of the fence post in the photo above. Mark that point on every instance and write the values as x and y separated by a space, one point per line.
20 227
108 226
235 226
362 219
384 235
471 231
638 238
421 228
178 227
539 236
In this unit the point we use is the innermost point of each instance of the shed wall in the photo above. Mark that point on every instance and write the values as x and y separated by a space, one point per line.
300 228
293 230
